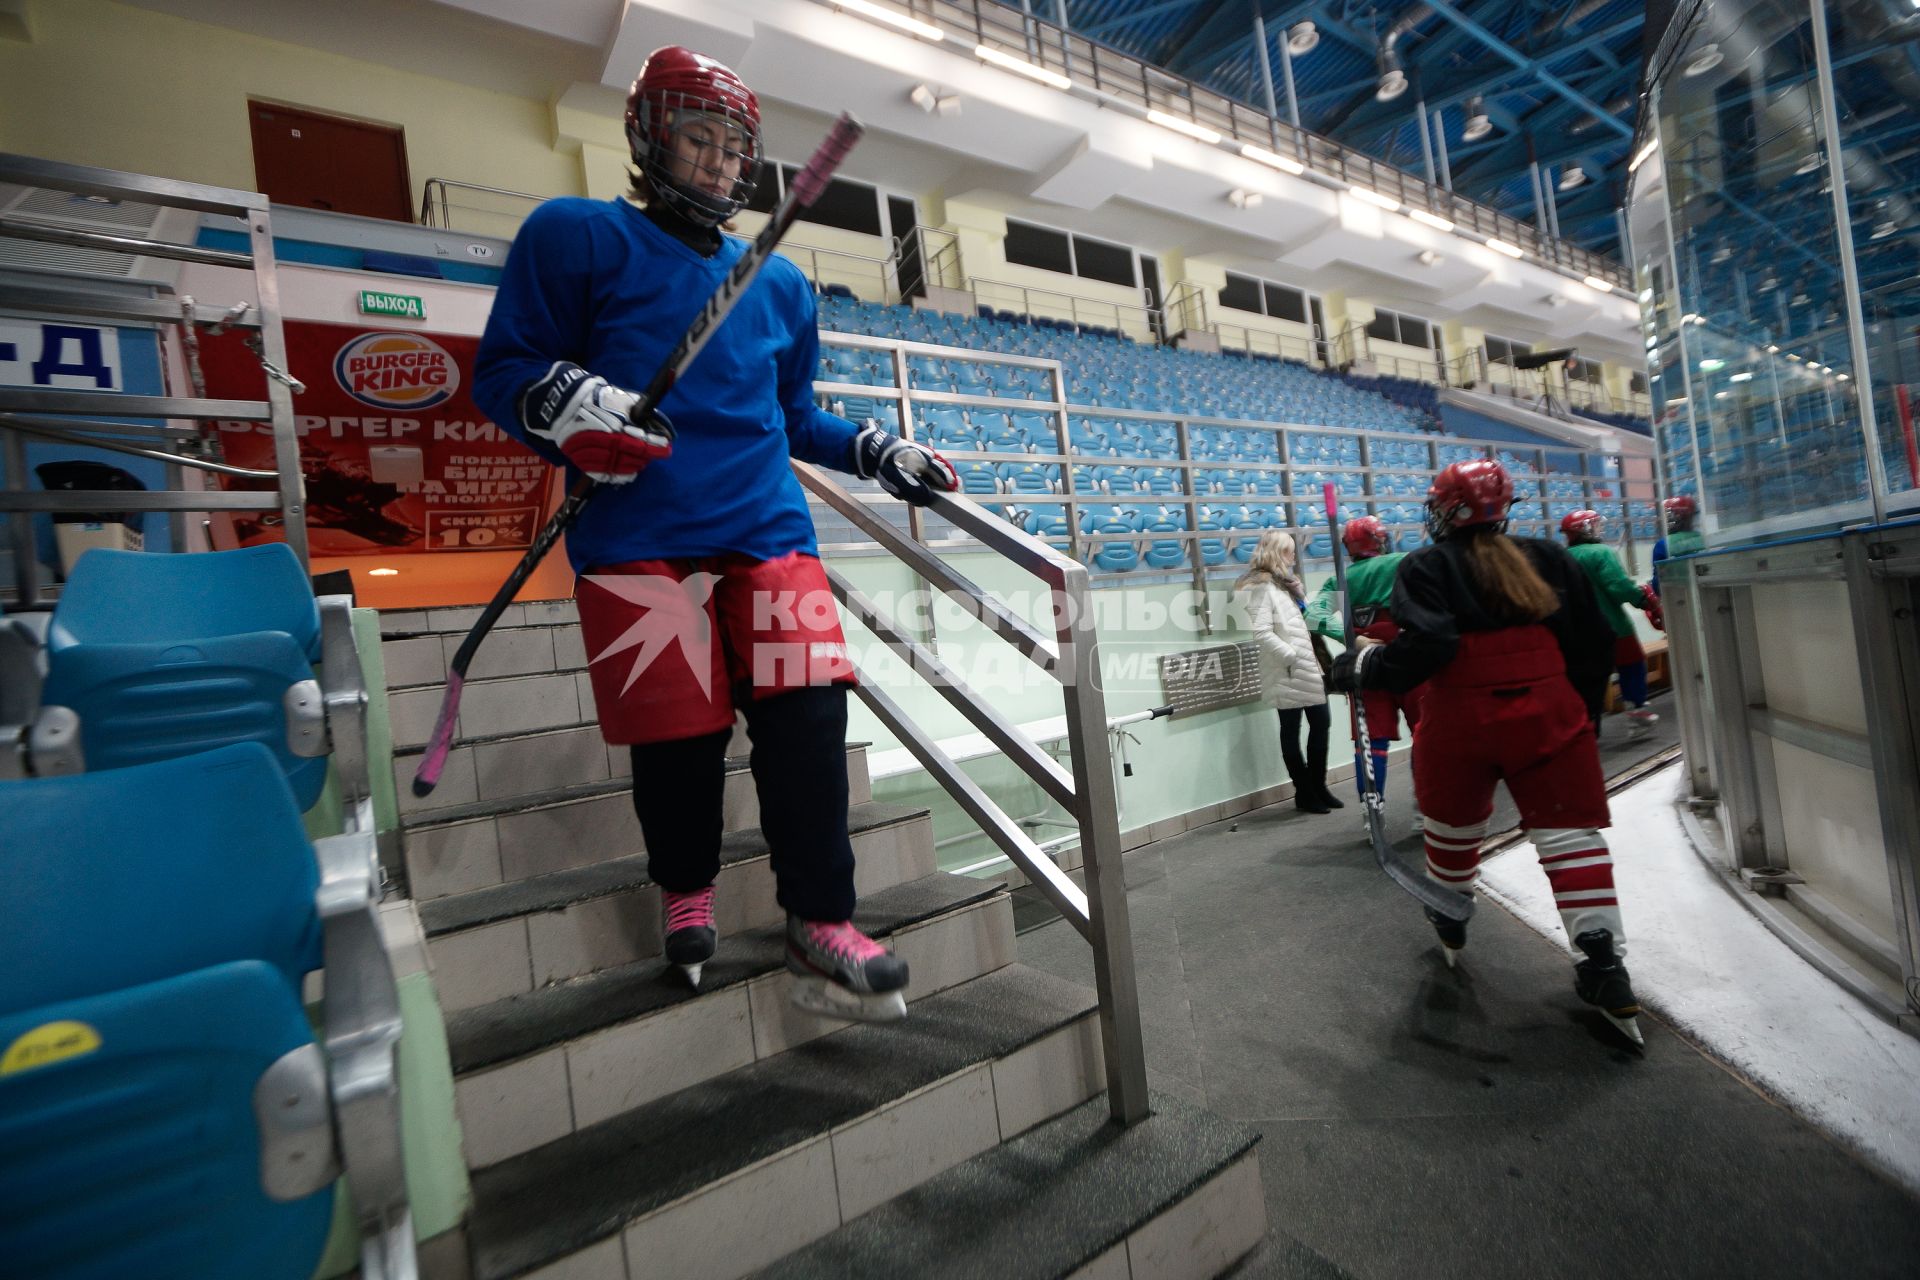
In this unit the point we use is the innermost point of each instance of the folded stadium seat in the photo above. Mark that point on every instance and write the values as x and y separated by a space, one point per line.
1112 557
1320 545
167 1107
977 479
165 655
1213 550
1159 481
1030 477
1261 484
1256 445
1118 480
1164 553
1087 479
1088 435
1037 430
944 427
997 433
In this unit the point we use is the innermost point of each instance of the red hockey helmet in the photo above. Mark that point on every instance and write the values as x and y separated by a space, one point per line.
1680 511
694 129
1365 537
1584 526
1466 494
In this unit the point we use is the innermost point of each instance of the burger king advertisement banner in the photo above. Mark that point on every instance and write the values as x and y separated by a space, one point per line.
395 454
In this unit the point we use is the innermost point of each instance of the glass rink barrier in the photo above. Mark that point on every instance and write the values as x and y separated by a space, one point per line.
1776 252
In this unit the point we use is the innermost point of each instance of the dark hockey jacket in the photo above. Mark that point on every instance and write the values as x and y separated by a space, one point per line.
1435 602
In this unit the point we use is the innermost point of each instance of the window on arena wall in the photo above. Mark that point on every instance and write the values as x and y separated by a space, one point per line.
1408 331
850 206
1638 382
1503 350
1263 297
1028 245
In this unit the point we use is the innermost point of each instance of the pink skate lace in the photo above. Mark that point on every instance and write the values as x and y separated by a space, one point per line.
689 910
842 941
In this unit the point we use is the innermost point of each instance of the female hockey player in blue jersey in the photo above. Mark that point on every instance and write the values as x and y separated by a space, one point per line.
700 587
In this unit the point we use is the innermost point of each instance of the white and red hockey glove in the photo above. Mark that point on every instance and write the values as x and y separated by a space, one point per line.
1650 601
586 418
909 471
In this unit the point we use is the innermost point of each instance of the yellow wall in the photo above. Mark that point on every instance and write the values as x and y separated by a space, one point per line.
105 84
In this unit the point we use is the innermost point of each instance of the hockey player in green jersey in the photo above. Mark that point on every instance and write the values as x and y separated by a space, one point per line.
1585 532
1681 539
1370 582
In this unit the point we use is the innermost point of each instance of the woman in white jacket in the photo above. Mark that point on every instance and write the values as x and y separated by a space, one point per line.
1290 677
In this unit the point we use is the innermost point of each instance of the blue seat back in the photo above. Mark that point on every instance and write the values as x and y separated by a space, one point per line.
130 597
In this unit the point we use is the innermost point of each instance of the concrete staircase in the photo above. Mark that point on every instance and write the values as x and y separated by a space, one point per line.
618 1123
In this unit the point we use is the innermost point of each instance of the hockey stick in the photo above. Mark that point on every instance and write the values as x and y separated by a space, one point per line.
802 190
1431 894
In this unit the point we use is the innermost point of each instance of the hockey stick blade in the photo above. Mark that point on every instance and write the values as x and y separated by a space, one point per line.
1430 893
802 190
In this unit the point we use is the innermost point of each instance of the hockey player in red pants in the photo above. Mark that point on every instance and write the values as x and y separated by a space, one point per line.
1514 651
701 589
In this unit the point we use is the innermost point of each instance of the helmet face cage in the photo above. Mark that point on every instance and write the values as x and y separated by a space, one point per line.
1365 537
1584 526
1466 494
685 143
1680 512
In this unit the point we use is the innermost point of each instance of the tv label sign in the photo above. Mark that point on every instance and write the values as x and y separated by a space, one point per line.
406 306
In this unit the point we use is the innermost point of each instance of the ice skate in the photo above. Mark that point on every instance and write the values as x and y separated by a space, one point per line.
690 934
1601 981
1419 826
1640 722
1452 935
842 973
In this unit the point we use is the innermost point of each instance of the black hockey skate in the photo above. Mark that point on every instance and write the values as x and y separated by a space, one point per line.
1601 981
690 932
1452 934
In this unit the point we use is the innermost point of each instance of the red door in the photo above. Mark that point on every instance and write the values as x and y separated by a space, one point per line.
319 161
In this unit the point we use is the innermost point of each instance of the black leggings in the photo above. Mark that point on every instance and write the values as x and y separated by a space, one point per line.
799 765
1314 768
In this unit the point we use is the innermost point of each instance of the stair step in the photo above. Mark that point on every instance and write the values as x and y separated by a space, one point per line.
415 660
793 1145
522 770
491 708
520 935
455 620
1176 1195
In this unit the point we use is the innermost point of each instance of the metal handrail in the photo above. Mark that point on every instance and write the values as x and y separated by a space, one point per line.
1285 345
1075 301
1186 308
445 206
1100 912
1106 76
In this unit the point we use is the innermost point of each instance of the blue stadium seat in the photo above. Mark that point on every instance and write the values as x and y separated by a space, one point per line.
157 925
164 655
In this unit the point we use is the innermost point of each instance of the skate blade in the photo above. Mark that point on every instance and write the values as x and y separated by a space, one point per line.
831 1000
1451 956
693 973
1629 1027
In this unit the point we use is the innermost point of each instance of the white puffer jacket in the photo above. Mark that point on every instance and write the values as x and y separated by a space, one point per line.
1289 673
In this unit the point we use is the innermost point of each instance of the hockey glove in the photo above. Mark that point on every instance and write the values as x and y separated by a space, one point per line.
586 418
1347 670
1650 601
908 471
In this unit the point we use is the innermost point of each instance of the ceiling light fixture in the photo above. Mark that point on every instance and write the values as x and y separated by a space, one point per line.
1741 377
1884 229
1710 364
1433 220
1393 81
1008 62
1511 250
1809 164
1572 176
1478 126
383 573
1597 284
1304 38
1375 199
1181 125
926 31
1705 59
1272 160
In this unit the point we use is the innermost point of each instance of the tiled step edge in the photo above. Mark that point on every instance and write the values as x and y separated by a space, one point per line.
1178 1194
775 1121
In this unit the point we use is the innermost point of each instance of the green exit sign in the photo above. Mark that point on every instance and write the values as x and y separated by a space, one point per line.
374 303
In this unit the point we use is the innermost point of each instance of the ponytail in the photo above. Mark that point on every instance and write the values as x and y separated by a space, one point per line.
1511 589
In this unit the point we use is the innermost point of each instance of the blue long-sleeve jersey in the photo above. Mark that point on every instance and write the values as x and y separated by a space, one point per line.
596 283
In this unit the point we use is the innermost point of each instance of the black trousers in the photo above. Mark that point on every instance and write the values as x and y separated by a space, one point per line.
799 764
1311 771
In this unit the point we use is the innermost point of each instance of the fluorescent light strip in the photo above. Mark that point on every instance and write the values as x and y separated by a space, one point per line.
1187 127
1511 250
1374 198
1597 284
1640 159
1433 220
892 19
1008 62
1272 160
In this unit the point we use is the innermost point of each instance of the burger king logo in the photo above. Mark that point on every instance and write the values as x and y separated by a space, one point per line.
396 371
